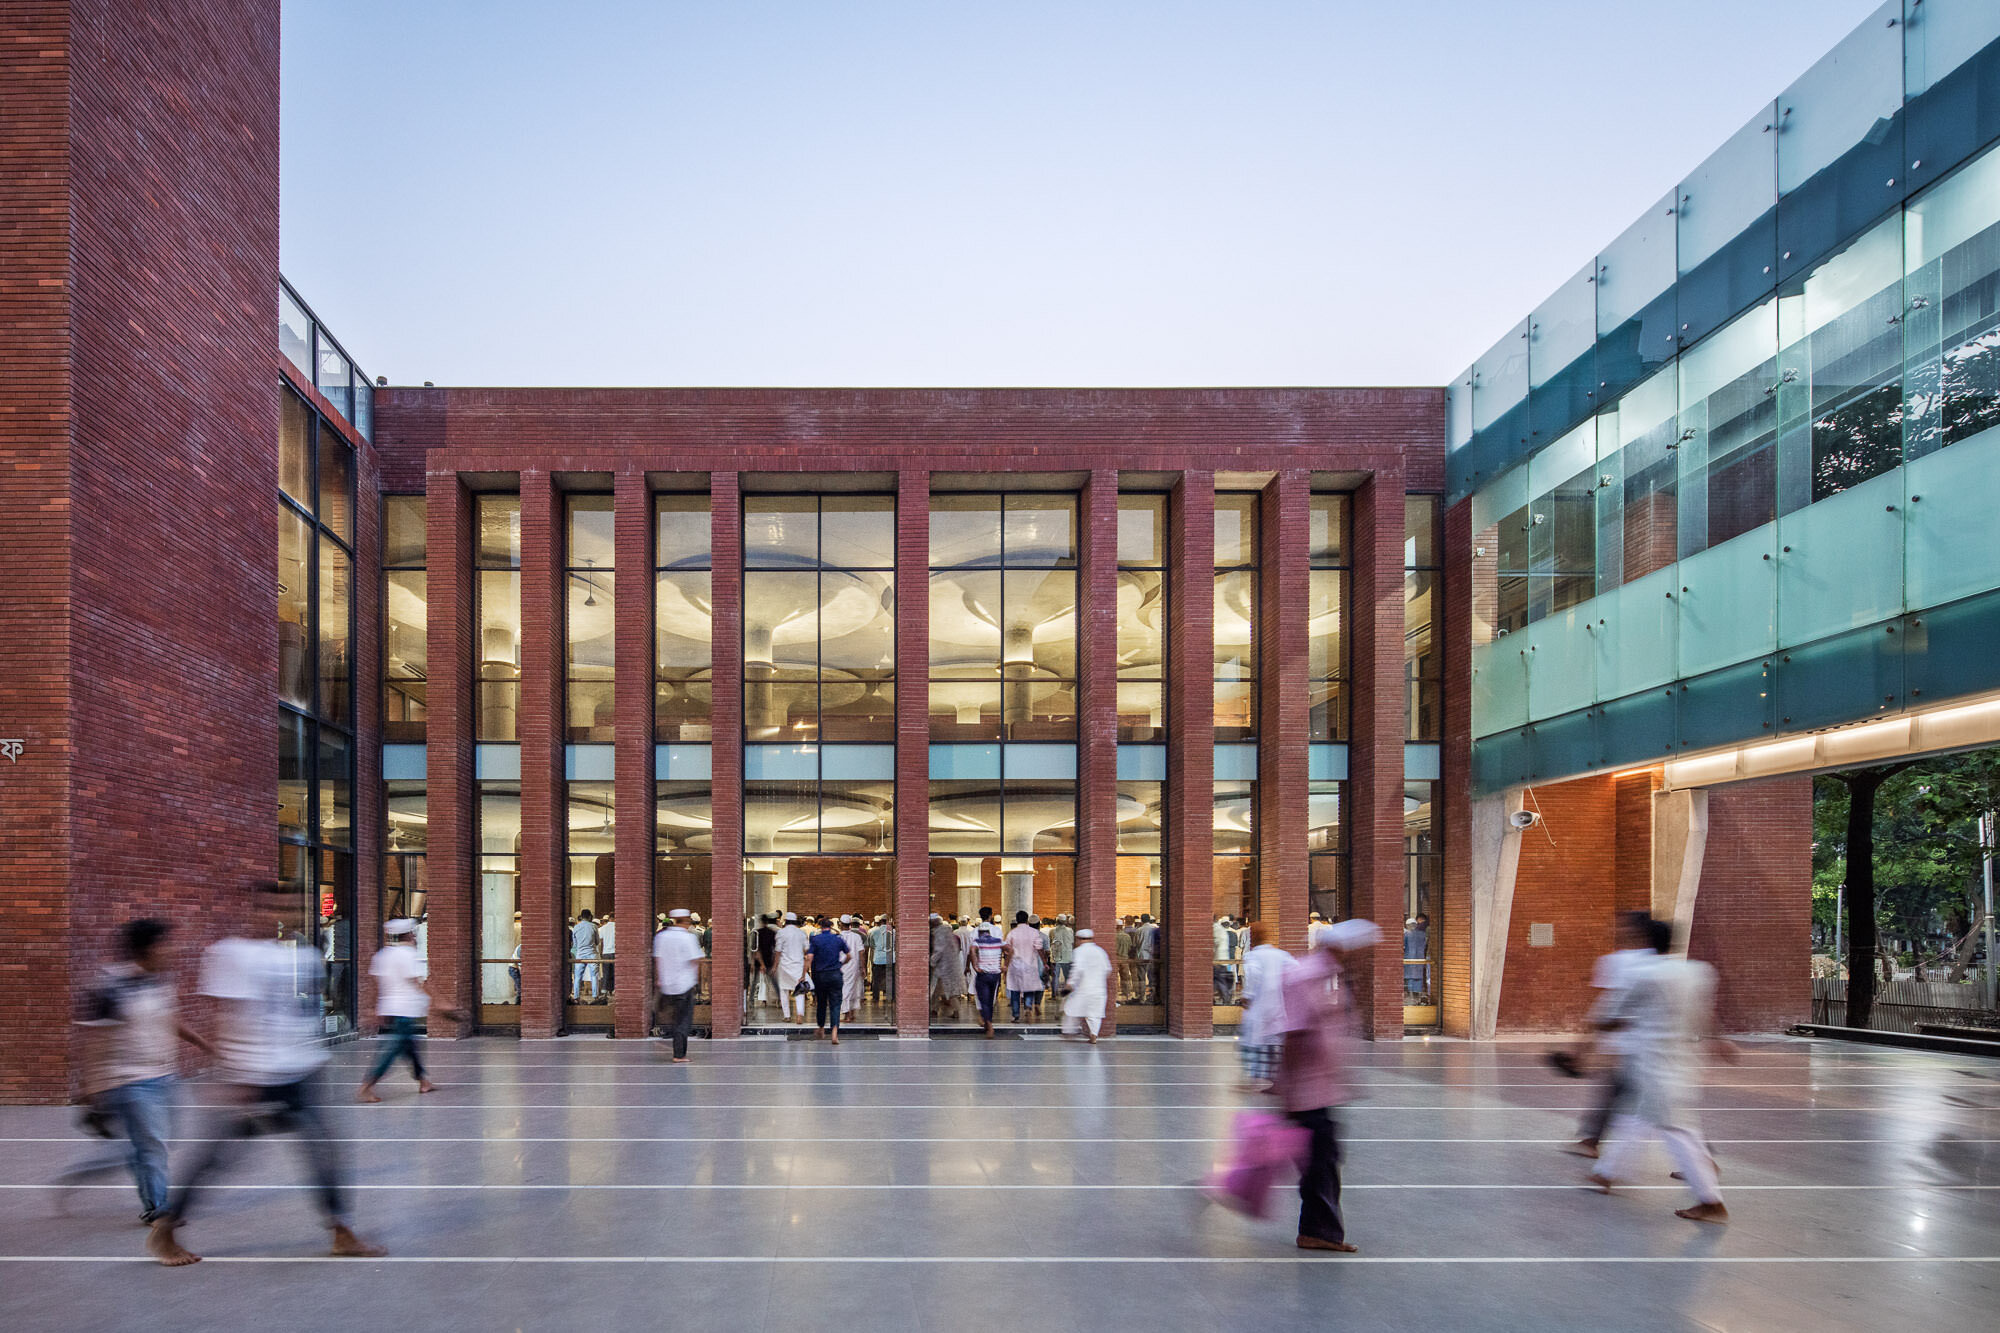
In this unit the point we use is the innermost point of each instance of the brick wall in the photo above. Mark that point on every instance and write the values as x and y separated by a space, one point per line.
1753 915
140 659
1568 880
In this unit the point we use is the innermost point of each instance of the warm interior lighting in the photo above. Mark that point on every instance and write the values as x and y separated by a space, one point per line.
1960 725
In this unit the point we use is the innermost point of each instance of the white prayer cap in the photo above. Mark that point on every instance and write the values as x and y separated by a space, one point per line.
1354 934
401 925
846 920
792 917
1086 934
678 914
936 917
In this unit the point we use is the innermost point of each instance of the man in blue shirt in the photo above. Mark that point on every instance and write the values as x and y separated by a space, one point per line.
825 952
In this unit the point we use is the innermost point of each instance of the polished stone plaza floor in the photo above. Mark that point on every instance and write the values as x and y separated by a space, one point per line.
960 1185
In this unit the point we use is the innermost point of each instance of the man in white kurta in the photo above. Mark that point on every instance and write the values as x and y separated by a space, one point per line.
852 969
1089 986
1669 1012
791 966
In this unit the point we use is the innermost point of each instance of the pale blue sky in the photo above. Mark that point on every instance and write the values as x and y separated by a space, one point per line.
1033 192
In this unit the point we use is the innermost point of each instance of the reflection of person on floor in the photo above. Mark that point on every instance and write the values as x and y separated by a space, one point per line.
136 1027
851 970
829 952
583 952
1023 951
269 1058
790 947
983 963
677 972
1089 987
1670 1012
402 999
1318 1028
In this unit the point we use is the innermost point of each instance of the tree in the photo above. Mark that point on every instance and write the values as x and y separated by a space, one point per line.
1863 784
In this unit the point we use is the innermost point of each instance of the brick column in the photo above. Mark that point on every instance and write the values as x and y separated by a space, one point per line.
544 974
913 763
451 861
365 666
1454 797
1283 705
1375 757
633 703
1190 859
726 778
1097 719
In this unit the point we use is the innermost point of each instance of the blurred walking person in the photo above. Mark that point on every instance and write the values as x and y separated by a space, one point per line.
268 1059
947 969
1024 946
791 948
1612 976
136 1029
402 999
1318 1026
853 970
1670 1014
677 972
1089 986
983 963
1263 1027
829 952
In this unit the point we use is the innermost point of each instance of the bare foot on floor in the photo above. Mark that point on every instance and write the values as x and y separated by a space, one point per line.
160 1243
425 1085
347 1245
367 1094
1705 1212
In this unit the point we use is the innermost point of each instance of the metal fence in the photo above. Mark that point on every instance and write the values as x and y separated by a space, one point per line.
1901 1005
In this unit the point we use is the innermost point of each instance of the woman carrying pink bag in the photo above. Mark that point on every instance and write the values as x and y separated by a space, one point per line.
1264 1145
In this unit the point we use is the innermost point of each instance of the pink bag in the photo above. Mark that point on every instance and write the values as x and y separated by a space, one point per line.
1264 1145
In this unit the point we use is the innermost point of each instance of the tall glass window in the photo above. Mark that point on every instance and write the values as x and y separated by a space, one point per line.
1141 901
1423 892
819 618
1142 617
1326 851
405 662
1236 617
683 624
316 688
500 903
591 620
590 944
1423 662
1003 617
498 569
404 887
1326 617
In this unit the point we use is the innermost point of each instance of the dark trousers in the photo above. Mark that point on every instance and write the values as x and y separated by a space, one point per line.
677 1016
1319 1182
986 985
879 980
1224 983
283 1107
1614 1092
402 1040
826 999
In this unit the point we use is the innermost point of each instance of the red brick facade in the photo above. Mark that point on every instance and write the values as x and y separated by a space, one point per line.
138 658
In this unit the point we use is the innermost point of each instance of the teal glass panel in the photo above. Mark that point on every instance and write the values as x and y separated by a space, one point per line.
1843 99
1636 730
1950 651
1500 378
1728 599
1941 35
964 761
1637 268
1563 746
1727 445
1233 763
403 763
1953 494
683 763
1645 433
1049 761
780 763
1499 685
497 763
1147 763
1637 634
1727 707
1421 763
1736 186
1562 523
1847 678
589 763
1328 763
1562 663
1951 332
1610 505
1564 328
858 763
1500 761
1840 562
1458 413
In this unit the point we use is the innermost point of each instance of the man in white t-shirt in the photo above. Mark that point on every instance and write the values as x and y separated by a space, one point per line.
677 971
1612 977
268 1025
402 999
607 947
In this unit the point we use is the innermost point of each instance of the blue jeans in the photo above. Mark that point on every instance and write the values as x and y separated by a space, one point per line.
144 1109
402 1041
279 1108
1016 998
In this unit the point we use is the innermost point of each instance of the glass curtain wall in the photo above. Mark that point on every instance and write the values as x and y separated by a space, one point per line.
590 713
315 691
1142 756
497 675
1003 590
1423 894
819 716
404 887
1329 554
1238 626
405 597
683 655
